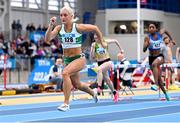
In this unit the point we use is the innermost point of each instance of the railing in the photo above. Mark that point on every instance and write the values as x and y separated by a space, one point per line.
15 70
164 5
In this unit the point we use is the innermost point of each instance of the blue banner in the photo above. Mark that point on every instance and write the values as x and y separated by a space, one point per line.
36 36
39 75
10 63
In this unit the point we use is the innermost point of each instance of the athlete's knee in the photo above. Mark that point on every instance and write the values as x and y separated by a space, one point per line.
107 79
78 86
99 70
65 73
154 65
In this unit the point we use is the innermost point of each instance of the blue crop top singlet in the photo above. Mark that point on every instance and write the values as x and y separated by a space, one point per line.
155 44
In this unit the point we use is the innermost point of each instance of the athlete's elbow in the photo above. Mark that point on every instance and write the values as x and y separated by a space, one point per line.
95 29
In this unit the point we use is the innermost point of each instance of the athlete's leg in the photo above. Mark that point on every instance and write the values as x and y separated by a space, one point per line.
160 82
155 68
161 85
75 78
105 67
81 86
111 86
157 74
99 76
108 81
72 68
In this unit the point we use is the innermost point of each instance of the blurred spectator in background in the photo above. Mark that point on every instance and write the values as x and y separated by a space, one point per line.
19 27
44 28
41 52
3 44
28 27
14 29
27 31
32 27
24 46
39 28
19 52
117 29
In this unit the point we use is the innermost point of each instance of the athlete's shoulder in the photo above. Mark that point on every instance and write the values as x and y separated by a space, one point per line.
78 27
158 34
81 26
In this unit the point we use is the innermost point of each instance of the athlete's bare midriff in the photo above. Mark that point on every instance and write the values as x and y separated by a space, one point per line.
154 52
71 52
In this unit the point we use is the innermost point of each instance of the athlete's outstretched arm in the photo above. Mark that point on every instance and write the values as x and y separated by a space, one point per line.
92 28
117 43
164 31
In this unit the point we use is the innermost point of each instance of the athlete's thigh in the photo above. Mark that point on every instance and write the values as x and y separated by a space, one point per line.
75 66
159 60
105 66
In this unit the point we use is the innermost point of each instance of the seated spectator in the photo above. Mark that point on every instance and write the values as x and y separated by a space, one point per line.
122 71
123 61
55 74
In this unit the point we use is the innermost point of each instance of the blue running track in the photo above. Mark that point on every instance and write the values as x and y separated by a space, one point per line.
136 109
